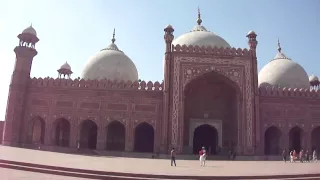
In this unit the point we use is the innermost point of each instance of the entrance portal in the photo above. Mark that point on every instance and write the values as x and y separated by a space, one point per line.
295 135
205 136
214 99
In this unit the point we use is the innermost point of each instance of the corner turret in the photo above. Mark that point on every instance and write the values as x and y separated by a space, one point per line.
65 70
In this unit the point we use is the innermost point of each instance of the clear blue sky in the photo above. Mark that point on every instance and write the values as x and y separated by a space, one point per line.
75 30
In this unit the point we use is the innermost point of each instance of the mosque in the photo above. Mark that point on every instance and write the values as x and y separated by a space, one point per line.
212 95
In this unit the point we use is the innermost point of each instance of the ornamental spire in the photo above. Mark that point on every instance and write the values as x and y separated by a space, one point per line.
199 20
113 36
279 47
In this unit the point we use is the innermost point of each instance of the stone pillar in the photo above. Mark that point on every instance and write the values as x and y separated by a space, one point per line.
129 142
74 136
101 138
308 143
48 133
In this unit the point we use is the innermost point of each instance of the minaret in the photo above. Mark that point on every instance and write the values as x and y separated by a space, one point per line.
25 52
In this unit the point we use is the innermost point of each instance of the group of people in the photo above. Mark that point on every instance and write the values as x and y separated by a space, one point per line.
202 156
302 156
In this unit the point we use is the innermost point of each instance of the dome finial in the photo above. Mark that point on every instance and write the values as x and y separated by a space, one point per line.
279 47
199 20
113 35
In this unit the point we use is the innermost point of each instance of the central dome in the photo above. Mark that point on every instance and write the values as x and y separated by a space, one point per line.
112 64
201 37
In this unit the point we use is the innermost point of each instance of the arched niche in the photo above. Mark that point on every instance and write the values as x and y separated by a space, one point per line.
272 140
88 134
144 138
296 138
315 139
36 131
116 134
215 99
207 136
61 132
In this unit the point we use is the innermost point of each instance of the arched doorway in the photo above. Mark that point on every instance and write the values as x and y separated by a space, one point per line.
295 138
116 133
208 98
36 133
205 136
272 138
88 134
315 139
144 138
61 132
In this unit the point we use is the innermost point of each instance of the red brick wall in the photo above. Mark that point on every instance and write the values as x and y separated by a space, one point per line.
1 130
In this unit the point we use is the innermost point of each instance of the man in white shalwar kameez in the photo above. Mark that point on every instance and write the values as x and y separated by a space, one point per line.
203 155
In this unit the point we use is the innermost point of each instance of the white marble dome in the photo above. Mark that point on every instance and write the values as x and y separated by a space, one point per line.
110 63
30 30
283 72
201 37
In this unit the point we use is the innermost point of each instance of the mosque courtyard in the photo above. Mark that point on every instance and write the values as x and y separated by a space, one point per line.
148 166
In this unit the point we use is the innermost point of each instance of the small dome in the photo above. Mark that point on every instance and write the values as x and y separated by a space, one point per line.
110 63
30 30
283 72
251 32
313 78
66 66
201 37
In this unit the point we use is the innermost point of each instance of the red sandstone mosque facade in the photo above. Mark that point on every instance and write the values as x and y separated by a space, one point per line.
212 95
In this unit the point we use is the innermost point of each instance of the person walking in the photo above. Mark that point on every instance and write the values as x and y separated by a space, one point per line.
301 156
173 157
284 155
314 156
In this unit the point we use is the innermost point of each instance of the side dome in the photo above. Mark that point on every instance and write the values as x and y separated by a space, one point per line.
110 63
283 72
201 37
30 30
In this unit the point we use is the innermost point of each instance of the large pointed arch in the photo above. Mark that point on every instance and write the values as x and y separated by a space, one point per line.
61 132
213 96
116 134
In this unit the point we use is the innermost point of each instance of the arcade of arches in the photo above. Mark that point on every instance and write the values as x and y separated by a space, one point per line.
88 135
274 140
210 97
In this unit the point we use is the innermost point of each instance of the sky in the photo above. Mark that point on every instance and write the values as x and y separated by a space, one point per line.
74 30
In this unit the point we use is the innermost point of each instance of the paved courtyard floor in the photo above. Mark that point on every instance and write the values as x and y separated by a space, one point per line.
11 174
157 166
